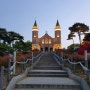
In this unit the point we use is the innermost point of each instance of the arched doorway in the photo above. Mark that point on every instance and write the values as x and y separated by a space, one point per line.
46 49
51 49
41 49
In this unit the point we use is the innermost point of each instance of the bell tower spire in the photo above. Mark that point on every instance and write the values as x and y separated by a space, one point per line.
57 27
35 24
35 33
57 24
58 32
35 27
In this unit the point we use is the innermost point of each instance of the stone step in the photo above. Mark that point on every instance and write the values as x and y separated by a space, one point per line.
48 67
48 83
47 75
46 89
47 72
47 86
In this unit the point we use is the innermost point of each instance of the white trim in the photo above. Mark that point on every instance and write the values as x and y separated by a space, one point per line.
57 29
34 29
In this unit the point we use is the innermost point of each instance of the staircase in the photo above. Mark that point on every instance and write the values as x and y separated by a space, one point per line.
47 75
47 79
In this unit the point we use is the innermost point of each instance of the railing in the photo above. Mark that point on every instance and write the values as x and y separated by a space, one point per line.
70 60
12 68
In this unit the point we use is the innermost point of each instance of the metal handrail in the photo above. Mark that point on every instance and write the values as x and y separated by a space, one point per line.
75 63
12 67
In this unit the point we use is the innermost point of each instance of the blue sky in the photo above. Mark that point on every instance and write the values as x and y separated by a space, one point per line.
20 15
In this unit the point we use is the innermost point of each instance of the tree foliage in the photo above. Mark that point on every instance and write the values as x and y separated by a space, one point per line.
3 34
8 38
79 28
23 46
72 47
4 49
87 37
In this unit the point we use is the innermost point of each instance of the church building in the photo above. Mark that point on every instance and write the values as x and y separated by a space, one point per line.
46 42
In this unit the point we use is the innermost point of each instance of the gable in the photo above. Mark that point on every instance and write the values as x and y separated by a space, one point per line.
46 36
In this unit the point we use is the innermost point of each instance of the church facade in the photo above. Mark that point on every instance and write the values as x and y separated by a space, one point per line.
46 42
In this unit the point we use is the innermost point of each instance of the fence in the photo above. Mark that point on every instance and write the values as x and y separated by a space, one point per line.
61 59
11 70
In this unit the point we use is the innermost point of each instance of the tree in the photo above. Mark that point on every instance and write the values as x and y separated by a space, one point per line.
9 37
28 44
23 46
71 48
70 37
4 48
3 34
87 37
12 36
80 29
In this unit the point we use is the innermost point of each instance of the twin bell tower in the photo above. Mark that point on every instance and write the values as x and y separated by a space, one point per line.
46 42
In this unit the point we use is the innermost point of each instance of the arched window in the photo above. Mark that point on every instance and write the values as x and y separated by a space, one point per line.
42 41
46 41
49 41
34 35
57 35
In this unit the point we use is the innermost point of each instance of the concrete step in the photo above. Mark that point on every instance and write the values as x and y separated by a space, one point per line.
48 67
47 73
46 89
53 83
47 86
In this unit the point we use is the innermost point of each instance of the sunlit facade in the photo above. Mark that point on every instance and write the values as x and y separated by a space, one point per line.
46 42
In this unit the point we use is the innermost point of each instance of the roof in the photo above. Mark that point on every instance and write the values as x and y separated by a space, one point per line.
46 35
35 25
57 25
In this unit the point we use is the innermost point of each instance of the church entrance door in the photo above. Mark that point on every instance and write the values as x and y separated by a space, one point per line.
51 49
46 49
